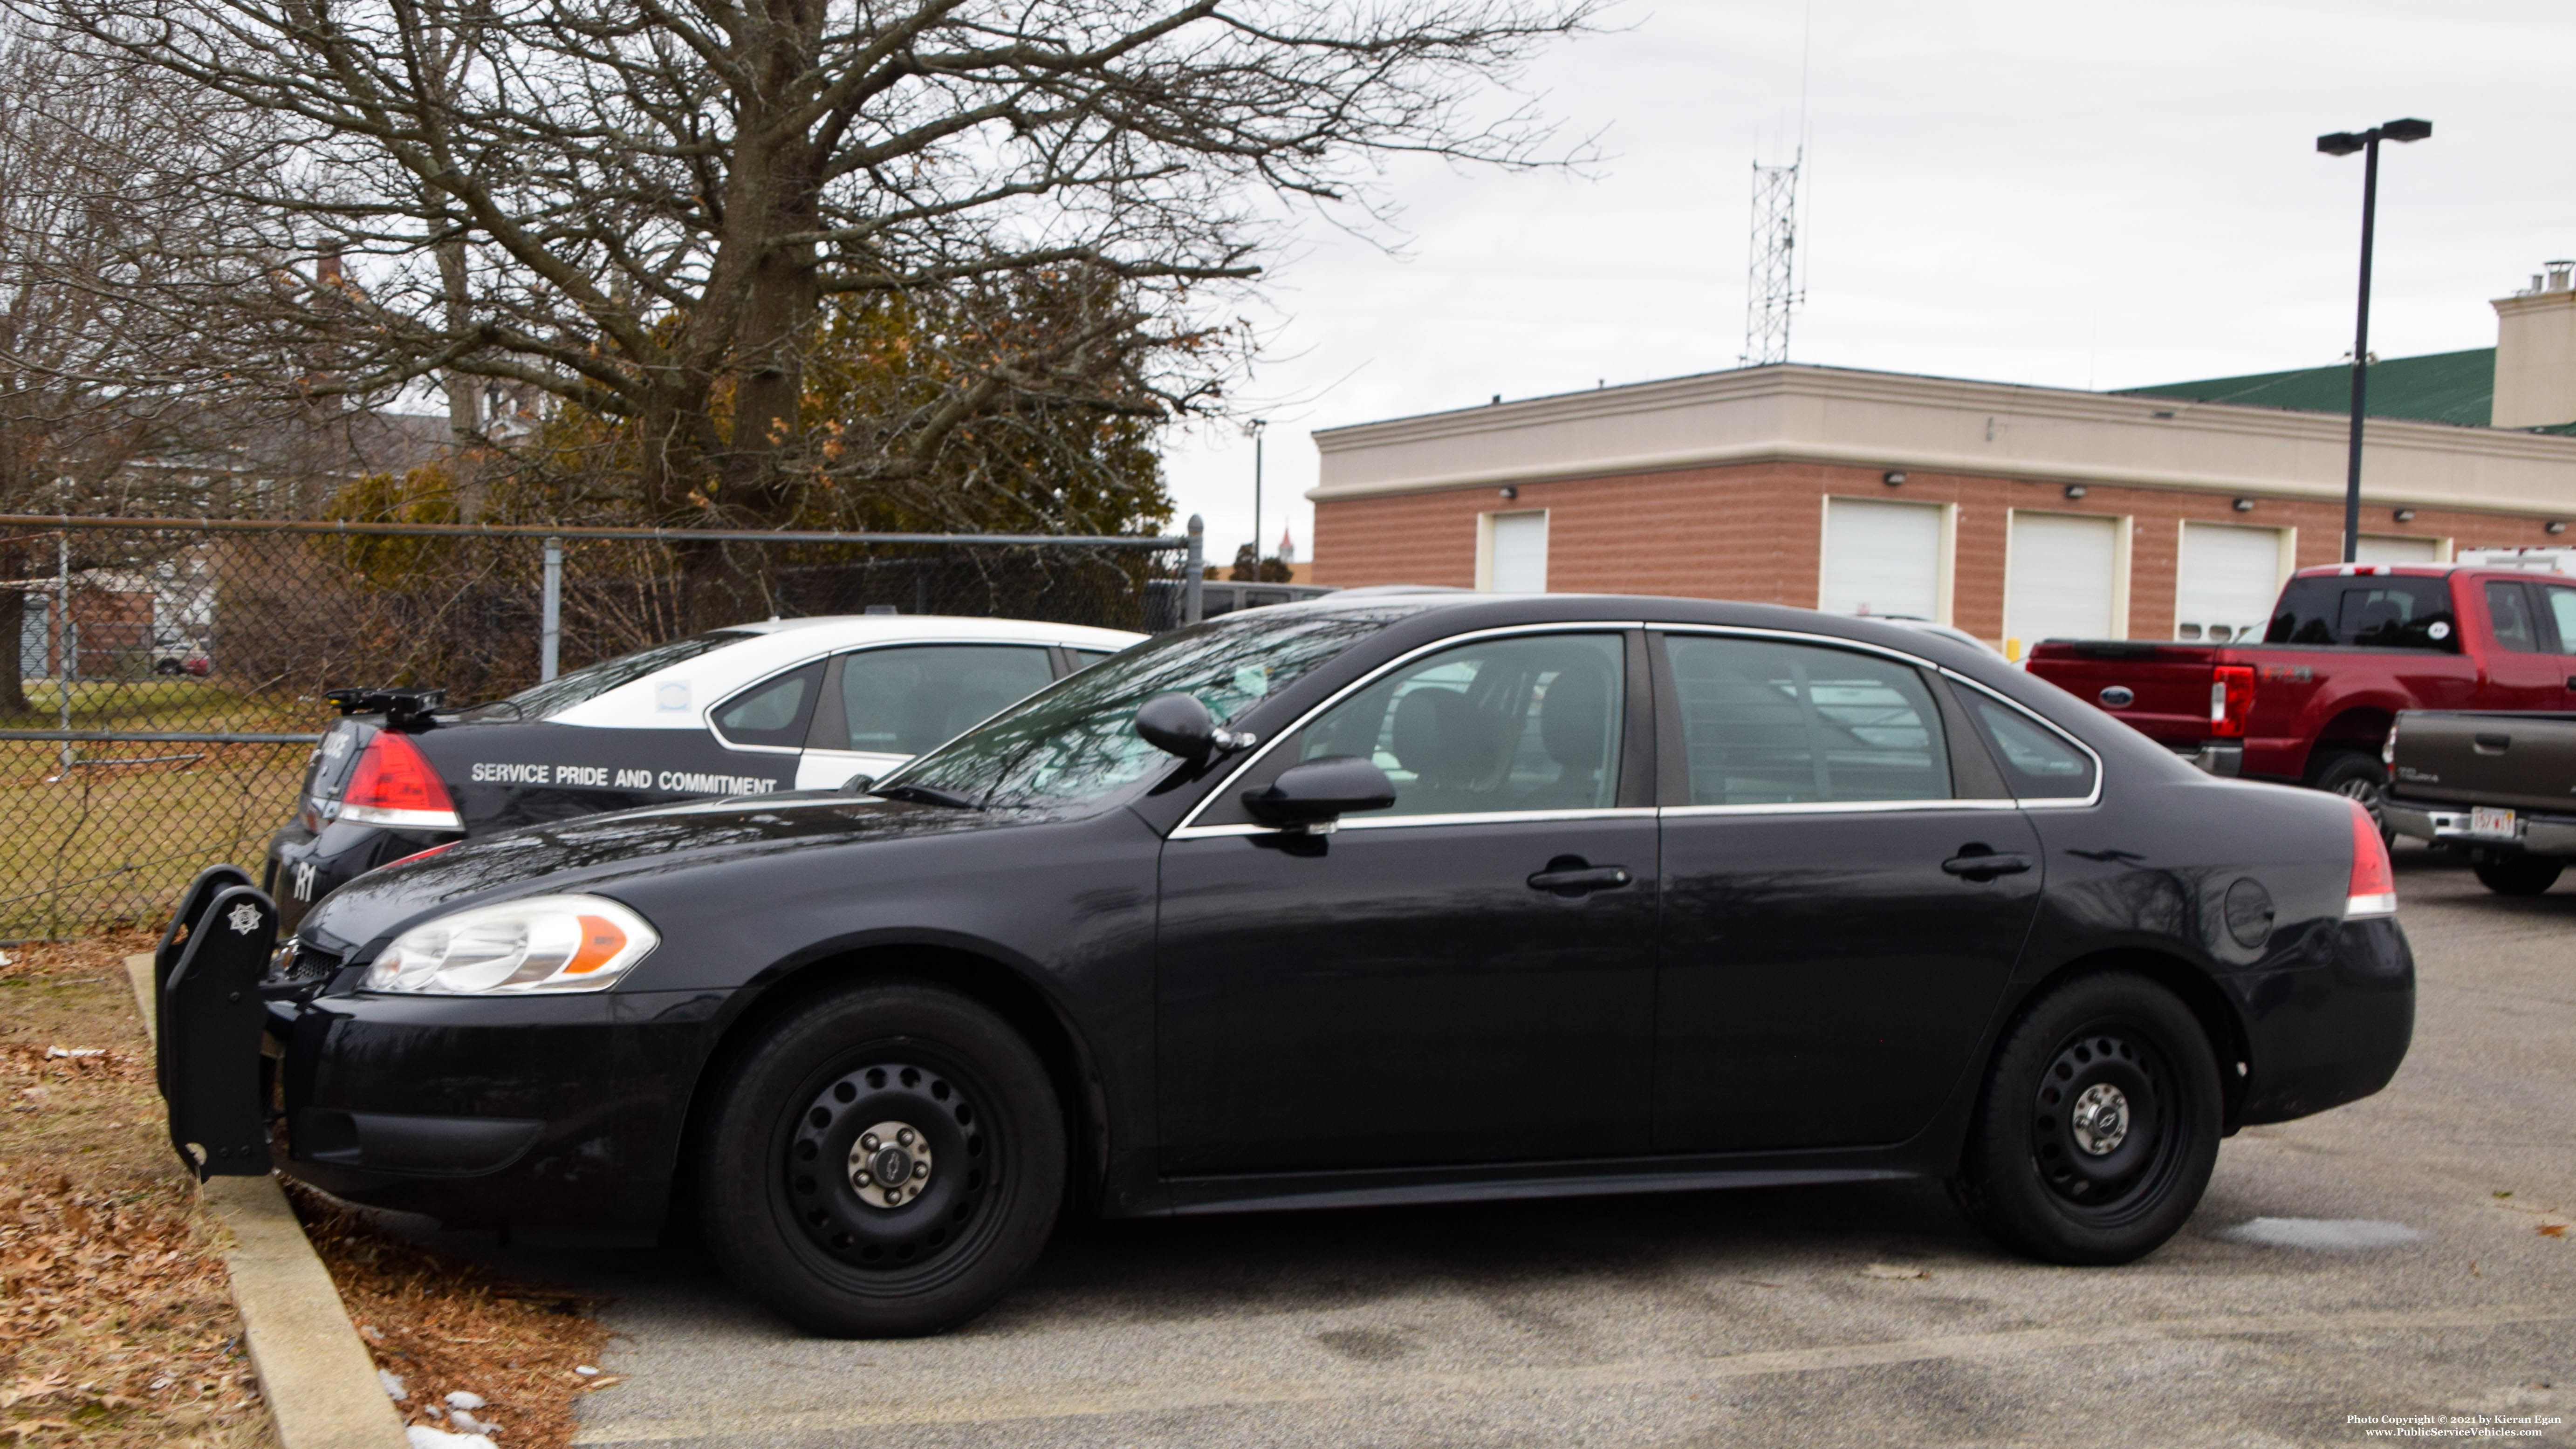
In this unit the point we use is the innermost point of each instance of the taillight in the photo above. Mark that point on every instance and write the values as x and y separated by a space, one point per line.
2373 891
394 785
2231 698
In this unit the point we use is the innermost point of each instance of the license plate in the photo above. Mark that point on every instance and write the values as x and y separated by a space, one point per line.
2493 824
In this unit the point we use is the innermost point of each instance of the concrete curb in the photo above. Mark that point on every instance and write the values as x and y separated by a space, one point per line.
314 1371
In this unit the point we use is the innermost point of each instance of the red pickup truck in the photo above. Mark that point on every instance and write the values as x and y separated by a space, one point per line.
2349 646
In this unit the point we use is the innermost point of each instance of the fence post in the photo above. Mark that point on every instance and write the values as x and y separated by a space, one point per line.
66 645
1190 591
550 650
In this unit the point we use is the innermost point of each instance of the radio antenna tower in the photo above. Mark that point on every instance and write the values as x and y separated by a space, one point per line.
1771 291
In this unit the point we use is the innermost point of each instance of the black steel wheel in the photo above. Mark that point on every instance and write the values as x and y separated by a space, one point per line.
2515 872
2098 1126
886 1162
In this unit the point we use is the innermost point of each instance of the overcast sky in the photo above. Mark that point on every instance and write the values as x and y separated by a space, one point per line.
2068 194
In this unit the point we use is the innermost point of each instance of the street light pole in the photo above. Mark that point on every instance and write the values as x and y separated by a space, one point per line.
2344 143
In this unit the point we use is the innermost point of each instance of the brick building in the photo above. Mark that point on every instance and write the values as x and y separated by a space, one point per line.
2016 513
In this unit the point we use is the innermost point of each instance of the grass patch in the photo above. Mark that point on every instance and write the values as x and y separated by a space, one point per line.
160 704
116 842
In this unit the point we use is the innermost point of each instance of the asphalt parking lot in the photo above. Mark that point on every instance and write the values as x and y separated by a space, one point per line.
2367 1262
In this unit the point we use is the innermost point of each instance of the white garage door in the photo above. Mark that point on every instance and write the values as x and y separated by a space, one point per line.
2230 579
1519 558
2381 548
1882 558
2062 573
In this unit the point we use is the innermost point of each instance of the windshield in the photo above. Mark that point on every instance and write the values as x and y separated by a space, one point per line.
591 681
1076 741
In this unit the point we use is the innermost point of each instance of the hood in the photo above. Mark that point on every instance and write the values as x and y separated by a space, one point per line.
595 852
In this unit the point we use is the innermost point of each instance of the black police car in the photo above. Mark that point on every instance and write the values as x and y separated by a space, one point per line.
784 705
1388 899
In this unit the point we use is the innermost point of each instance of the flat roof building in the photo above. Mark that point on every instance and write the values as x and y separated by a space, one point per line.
2016 513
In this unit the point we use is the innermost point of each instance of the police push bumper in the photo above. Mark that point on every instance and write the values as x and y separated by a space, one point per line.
207 979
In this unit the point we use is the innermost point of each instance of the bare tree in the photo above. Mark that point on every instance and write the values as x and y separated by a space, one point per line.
642 208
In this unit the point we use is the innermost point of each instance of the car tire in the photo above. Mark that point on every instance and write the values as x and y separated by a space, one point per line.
2515 872
815 1201
2356 776
2098 1124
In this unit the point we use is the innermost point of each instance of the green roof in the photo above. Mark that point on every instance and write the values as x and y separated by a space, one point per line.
2444 387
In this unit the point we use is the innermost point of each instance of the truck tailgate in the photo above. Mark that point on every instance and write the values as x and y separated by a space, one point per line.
2487 758
2167 685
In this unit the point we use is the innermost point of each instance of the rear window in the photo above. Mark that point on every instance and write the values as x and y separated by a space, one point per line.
2366 612
591 681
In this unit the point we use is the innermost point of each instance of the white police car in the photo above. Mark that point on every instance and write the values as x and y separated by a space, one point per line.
791 704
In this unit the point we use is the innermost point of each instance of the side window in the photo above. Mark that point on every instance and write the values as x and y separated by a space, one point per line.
2038 763
1085 658
1507 724
772 712
902 701
1791 724
2562 612
2509 609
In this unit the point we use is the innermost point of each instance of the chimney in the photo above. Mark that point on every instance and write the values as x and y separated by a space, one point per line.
2535 372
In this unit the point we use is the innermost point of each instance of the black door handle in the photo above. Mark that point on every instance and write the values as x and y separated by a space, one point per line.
1985 864
1574 878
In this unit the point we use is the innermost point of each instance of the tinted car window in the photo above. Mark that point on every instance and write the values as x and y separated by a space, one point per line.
1500 724
2038 763
2509 610
1077 742
1778 724
772 712
903 701
591 681
2367 612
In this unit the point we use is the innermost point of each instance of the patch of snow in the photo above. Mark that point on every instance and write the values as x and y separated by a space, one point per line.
424 1437
393 1386
460 1399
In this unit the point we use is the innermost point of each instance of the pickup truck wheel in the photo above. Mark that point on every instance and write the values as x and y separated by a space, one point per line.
886 1162
2515 873
2098 1125
2355 775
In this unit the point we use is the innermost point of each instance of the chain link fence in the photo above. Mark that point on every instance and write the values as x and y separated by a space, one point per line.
161 680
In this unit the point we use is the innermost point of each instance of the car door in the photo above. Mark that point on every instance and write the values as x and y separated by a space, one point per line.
1465 978
2558 608
2523 668
1846 890
882 706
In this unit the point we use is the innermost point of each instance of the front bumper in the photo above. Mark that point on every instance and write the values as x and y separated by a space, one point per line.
2449 825
482 1112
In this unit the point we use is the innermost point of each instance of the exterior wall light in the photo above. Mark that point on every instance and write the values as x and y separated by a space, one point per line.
2075 490
2556 525
1510 490
2405 515
2243 505
1893 479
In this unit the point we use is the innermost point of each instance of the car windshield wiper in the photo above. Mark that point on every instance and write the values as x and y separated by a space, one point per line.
929 795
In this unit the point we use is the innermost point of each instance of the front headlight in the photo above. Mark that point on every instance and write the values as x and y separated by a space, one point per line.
543 943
